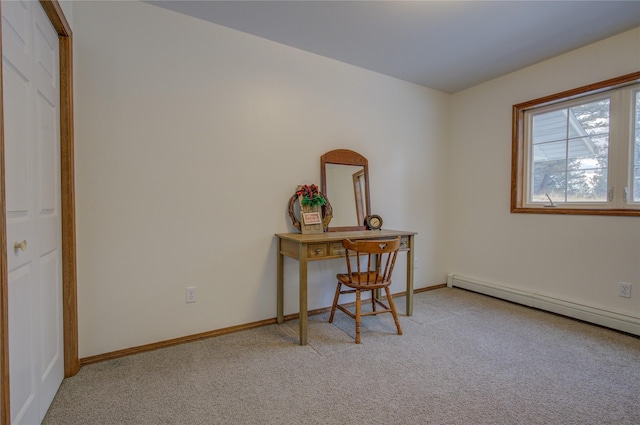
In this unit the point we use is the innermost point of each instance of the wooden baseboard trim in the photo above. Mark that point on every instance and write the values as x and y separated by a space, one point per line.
218 332
428 288
171 342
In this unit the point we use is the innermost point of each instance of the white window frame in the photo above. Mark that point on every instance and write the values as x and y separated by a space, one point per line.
620 157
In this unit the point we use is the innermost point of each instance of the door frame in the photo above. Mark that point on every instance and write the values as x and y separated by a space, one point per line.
67 186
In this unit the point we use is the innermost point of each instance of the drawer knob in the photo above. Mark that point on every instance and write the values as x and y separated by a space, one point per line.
318 251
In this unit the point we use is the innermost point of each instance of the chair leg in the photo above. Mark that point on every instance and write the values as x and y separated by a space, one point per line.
358 316
335 301
393 309
373 299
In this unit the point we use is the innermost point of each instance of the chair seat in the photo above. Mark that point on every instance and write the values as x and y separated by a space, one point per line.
363 280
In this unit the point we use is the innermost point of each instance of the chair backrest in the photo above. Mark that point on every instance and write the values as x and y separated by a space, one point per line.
379 253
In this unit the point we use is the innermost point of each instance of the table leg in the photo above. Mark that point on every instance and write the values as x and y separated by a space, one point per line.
302 264
280 285
410 277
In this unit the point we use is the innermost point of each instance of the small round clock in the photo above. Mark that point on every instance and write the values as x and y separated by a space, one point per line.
373 222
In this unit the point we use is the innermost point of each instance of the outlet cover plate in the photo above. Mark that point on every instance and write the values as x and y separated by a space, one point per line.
624 290
190 295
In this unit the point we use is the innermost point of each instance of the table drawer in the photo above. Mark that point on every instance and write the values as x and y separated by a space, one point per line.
317 250
337 248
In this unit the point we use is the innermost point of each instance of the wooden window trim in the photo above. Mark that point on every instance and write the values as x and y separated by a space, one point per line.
519 149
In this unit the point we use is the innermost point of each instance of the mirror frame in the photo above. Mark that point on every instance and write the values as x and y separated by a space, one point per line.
346 157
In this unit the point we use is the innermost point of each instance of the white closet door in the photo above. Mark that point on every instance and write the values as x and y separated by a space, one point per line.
32 178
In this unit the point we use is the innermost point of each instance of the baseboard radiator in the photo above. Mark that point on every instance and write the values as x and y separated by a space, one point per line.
597 316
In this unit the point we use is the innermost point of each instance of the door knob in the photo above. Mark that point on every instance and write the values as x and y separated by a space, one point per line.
20 245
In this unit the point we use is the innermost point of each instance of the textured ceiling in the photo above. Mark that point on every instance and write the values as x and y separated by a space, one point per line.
444 45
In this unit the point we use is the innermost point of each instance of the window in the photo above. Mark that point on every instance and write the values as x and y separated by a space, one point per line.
578 152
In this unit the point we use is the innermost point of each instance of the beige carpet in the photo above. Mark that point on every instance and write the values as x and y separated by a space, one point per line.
464 358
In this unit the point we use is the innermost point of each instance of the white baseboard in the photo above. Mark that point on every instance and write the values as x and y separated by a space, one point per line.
597 316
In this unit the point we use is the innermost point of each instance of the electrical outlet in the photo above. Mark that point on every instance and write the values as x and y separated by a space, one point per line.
624 290
191 294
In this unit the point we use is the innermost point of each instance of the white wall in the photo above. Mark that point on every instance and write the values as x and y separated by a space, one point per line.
190 139
67 9
575 258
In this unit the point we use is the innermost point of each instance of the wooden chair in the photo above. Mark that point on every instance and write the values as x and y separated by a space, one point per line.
381 254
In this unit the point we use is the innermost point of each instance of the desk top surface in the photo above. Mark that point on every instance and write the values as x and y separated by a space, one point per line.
338 236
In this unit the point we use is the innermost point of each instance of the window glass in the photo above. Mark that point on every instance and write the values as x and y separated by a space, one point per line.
570 153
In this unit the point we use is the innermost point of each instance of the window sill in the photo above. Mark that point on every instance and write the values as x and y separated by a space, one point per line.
576 211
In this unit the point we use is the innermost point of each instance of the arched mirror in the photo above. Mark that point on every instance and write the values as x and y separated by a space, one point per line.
345 181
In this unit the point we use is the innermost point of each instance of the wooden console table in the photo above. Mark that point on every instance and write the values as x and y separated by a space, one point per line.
324 246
